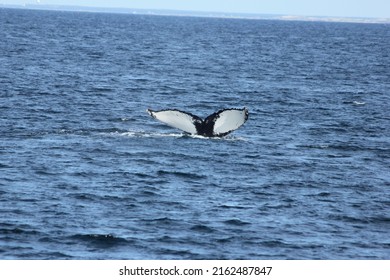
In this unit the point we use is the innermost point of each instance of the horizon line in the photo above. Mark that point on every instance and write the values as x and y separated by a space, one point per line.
209 14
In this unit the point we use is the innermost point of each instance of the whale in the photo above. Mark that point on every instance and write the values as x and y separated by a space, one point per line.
218 124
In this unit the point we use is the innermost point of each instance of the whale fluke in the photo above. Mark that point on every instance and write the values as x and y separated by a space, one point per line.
217 124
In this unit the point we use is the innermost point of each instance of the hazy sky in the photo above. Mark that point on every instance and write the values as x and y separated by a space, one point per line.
342 8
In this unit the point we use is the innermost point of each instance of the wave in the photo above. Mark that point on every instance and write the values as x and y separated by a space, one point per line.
236 222
189 175
202 228
100 240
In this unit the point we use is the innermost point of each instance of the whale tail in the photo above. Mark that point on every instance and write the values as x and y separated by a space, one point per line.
217 124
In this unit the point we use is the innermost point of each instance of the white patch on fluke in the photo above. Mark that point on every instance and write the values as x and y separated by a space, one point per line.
230 120
176 119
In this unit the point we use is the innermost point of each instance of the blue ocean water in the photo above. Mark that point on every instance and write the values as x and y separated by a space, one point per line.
85 173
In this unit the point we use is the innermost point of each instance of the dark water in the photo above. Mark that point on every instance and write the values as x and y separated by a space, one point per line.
85 173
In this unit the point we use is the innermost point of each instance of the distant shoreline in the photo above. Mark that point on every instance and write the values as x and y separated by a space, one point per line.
197 14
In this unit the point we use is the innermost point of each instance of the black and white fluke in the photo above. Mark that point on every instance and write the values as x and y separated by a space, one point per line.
217 124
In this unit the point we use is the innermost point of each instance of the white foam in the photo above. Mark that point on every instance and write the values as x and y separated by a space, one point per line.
138 134
146 134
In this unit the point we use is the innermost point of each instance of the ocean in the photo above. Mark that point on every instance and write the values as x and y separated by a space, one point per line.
86 173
